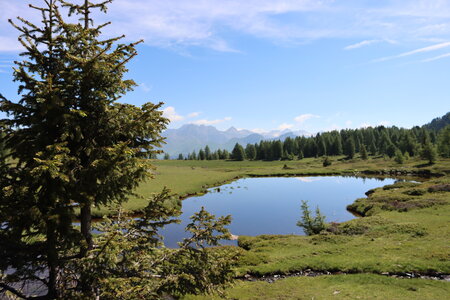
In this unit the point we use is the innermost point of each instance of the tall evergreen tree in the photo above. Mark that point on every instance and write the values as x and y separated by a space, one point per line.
75 146
207 152
350 147
277 150
238 152
337 145
429 152
363 152
250 152
201 155
444 142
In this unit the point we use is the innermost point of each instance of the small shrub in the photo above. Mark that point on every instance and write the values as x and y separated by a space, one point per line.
311 225
415 192
399 157
326 161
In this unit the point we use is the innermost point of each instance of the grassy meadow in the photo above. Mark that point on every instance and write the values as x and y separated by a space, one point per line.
405 229
192 177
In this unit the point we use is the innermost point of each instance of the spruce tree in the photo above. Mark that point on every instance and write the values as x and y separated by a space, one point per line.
300 155
399 158
250 152
76 147
429 152
350 147
201 155
444 142
207 153
364 155
238 153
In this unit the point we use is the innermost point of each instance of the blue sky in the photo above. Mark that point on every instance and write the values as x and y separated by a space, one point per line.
267 64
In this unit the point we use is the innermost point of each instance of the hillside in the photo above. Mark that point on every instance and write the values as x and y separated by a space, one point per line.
438 123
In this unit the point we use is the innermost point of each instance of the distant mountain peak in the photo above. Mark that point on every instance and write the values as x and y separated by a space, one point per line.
232 129
192 137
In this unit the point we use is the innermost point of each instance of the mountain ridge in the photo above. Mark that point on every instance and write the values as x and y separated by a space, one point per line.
193 137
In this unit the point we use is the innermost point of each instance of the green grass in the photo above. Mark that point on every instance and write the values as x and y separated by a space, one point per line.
406 228
390 240
186 178
360 286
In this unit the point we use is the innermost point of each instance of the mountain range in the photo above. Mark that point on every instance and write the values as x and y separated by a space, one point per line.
192 137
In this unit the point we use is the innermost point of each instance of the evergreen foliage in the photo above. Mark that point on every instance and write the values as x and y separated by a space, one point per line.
399 158
76 147
250 152
376 141
350 148
438 123
363 152
444 142
326 161
238 152
429 153
311 225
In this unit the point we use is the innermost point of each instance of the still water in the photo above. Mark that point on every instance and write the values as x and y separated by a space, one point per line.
271 205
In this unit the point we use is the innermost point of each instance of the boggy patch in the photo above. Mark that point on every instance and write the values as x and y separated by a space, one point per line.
439 188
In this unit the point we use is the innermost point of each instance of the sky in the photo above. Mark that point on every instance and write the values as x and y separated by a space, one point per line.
276 64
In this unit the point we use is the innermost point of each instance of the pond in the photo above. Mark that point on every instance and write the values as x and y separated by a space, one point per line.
271 205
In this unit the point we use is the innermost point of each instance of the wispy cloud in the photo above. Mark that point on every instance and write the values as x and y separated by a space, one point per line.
211 122
436 57
303 118
416 51
193 115
361 44
207 23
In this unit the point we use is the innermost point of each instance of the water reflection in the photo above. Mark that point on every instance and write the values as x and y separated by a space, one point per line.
271 205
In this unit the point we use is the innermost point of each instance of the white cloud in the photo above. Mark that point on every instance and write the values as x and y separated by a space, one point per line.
170 113
178 24
361 44
308 179
303 118
436 57
258 130
416 51
348 123
285 126
193 115
365 125
211 122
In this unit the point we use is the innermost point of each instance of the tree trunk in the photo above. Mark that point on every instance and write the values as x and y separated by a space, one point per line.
52 260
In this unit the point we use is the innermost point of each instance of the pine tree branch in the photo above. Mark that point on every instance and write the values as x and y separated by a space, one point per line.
6 287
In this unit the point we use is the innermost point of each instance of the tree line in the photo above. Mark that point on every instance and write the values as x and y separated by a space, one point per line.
393 142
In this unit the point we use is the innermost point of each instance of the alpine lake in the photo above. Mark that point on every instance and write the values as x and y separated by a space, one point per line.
271 205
